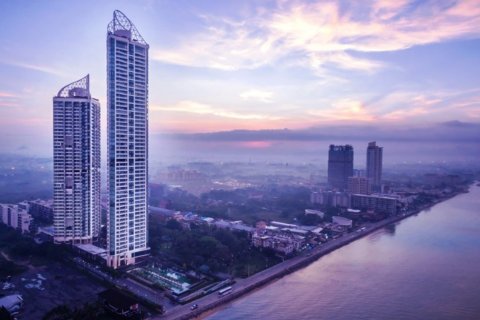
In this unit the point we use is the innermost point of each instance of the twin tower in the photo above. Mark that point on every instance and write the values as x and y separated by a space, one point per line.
76 135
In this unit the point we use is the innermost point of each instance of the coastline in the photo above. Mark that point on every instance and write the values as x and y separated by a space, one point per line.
262 278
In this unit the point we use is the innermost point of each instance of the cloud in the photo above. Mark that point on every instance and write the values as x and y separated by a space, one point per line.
401 106
39 68
323 34
257 95
344 110
8 100
205 109
7 95
9 104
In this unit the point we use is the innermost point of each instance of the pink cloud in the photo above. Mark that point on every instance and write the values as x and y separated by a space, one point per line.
315 34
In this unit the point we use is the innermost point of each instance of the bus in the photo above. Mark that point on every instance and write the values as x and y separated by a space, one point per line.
225 291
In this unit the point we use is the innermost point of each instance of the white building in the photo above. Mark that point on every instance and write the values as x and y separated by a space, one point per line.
76 163
319 213
379 203
127 100
331 198
279 242
12 303
16 217
341 221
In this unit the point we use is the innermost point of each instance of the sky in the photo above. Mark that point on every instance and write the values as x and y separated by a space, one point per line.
395 67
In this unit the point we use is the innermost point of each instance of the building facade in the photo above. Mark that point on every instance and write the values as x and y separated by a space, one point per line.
328 198
378 203
360 185
374 165
41 210
16 217
127 99
340 166
76 164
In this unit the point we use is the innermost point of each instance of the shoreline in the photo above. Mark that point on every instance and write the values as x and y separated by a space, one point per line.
264 277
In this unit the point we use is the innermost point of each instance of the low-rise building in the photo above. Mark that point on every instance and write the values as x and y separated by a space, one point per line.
12 303
92 252
342 221
319 213
234 225
283 243
283 224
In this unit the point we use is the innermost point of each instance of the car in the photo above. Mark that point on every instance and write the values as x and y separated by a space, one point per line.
194 306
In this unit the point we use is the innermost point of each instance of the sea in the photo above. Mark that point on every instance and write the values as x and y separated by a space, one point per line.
424 267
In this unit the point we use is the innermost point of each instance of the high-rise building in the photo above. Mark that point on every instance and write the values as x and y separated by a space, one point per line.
76 164
359 185
340 166
127 100
374 165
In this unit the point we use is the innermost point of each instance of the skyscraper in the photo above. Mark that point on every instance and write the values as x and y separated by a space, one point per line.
340 165
76 164
374 165
127 102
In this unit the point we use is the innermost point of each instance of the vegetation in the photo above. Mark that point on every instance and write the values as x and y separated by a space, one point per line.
88 311
207 248
9 268
19 247
5 315
268 202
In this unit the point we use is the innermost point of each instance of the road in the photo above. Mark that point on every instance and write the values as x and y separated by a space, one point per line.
259 279
154 297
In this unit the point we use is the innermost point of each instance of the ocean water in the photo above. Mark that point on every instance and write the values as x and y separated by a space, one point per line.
424 267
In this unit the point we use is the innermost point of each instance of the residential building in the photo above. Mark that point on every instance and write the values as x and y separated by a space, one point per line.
76 163
127 103
378 203
41 210
374 165
328 198
283 243
359 185
16 217
340 166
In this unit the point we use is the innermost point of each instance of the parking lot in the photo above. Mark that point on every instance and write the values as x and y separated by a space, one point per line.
46 287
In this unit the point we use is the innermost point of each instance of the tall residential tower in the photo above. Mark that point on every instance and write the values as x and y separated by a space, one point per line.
127 102
374 165
76 164
340 165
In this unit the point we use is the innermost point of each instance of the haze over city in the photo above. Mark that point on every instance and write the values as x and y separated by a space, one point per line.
327 71
277 159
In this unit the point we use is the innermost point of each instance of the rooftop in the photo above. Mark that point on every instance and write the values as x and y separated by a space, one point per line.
122 26
79 88
90 248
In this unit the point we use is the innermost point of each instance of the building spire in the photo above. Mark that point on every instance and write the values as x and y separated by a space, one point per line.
120 23
79 88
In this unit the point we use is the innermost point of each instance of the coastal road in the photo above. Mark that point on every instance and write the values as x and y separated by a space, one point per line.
259 279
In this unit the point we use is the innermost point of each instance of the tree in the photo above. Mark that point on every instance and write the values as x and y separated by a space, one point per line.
5 315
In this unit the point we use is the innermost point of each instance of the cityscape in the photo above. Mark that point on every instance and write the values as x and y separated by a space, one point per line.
244 160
